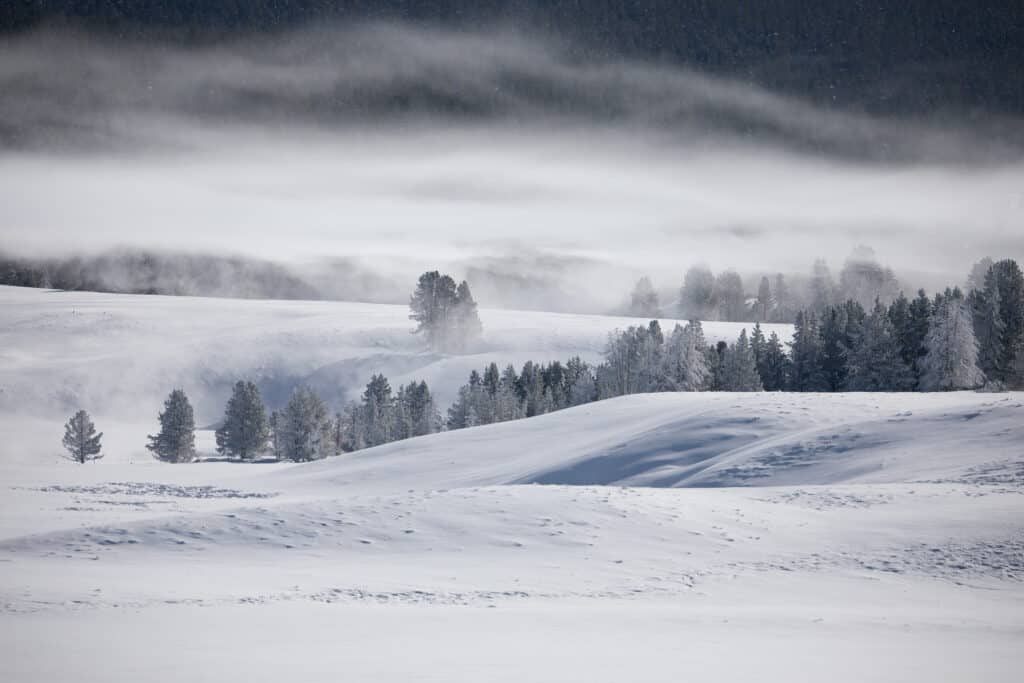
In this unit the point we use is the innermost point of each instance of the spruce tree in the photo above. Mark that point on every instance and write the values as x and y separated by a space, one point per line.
245 430
176 440
1009 281
378 411
81 439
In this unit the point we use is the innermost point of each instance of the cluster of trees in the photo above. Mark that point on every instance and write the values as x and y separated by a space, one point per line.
445 313
948 342
304 429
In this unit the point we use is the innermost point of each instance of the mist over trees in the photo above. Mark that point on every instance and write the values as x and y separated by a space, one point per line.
445 314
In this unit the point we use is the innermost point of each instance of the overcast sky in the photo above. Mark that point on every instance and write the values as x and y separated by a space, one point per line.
411 148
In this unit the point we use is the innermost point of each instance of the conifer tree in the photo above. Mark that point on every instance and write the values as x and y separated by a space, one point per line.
378 411
176 440
951 362
773 366
806 372
739 368
245 430
685 365
81 439
305 427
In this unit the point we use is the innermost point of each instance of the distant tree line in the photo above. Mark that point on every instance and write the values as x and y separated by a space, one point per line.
707 296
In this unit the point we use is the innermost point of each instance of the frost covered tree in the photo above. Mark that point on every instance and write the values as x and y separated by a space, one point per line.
416 412
783 311
840 328
697 296
685 362
305 427
951 362
176 440
80 438
875 363
644 300
739 368
732 301
245 430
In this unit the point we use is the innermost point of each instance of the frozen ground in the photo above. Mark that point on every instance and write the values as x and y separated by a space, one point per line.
668 537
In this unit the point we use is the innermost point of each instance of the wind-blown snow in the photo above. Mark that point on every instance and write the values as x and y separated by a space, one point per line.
793 537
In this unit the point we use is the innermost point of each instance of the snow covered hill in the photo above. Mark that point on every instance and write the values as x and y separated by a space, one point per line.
118 356
731 537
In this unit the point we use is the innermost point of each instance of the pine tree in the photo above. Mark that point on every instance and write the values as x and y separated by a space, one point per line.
874 362
81 439
644 300
739 368
773 366
245 430
305 428
176 440
806 372
951 362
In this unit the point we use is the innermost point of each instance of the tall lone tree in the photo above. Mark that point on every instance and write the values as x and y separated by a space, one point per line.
81 439
176 440
245 431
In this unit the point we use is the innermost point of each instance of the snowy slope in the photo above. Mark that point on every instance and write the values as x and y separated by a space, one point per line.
119 355
667 537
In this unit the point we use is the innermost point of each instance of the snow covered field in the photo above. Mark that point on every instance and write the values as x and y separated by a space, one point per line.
667 537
